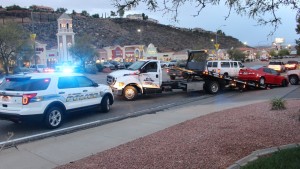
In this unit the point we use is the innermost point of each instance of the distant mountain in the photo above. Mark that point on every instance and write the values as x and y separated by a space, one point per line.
121 31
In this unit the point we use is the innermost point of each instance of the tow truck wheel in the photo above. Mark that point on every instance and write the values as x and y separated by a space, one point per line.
213 87
130 93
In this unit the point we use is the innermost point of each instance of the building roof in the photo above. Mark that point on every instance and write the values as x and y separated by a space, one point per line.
64 16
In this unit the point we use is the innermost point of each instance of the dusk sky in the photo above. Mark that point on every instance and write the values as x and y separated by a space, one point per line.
210 19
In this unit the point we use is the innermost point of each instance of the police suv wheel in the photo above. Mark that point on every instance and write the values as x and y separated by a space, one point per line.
105 104
53 117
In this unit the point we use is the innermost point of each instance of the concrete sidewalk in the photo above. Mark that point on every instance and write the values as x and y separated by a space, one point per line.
56 151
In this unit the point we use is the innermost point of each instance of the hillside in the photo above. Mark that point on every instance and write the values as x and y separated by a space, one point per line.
121 31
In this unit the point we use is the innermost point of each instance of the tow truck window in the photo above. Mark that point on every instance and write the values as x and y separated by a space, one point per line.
151 67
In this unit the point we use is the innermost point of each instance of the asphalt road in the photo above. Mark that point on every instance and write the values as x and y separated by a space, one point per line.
144 104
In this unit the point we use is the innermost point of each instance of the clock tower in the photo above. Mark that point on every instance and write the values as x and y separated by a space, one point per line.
65 38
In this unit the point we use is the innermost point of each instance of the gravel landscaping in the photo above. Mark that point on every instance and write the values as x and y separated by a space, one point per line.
216 140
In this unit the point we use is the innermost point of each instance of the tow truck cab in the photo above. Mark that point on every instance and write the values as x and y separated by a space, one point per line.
144 76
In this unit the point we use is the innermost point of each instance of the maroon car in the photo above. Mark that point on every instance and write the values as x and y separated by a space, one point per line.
262 76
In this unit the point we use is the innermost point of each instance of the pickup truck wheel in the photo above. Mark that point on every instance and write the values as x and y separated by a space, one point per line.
284 83
294 80
105 104
53 117
130 93
213 87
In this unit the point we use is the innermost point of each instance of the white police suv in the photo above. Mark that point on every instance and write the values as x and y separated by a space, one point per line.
48 97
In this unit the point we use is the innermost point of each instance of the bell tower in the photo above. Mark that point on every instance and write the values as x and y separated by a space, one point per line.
65 37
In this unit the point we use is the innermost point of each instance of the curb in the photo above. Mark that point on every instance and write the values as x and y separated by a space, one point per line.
258 153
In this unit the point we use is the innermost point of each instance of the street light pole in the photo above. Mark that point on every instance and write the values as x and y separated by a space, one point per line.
217 33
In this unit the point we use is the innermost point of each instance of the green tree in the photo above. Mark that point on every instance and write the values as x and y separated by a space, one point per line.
73 12
83 49
145 17
283 52
256 9
121 12
220 32
85 13
25 52
11 40
95 16
273 53
236 54
13 7
61 10
113 14
298 32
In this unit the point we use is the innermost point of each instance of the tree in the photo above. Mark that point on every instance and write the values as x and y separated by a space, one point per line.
256 9
113 14
83 49
121 12
220 32
95 16
298 32
13 7
284 52
11 40
145 17
273 53
85 13
236 54
73 12
61 10
25 52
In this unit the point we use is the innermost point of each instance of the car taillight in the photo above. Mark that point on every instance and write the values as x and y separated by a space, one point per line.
26 98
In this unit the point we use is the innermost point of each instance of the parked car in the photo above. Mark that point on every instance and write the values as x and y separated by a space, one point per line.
225 67
108 65
291 65
164 64
172 63
279 66
262 76
118 65
127 64
40 68
49 97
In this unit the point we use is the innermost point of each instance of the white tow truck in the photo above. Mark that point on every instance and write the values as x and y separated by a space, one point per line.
145 77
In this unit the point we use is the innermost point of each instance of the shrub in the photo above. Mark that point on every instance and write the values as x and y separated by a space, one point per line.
278 104
92 69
